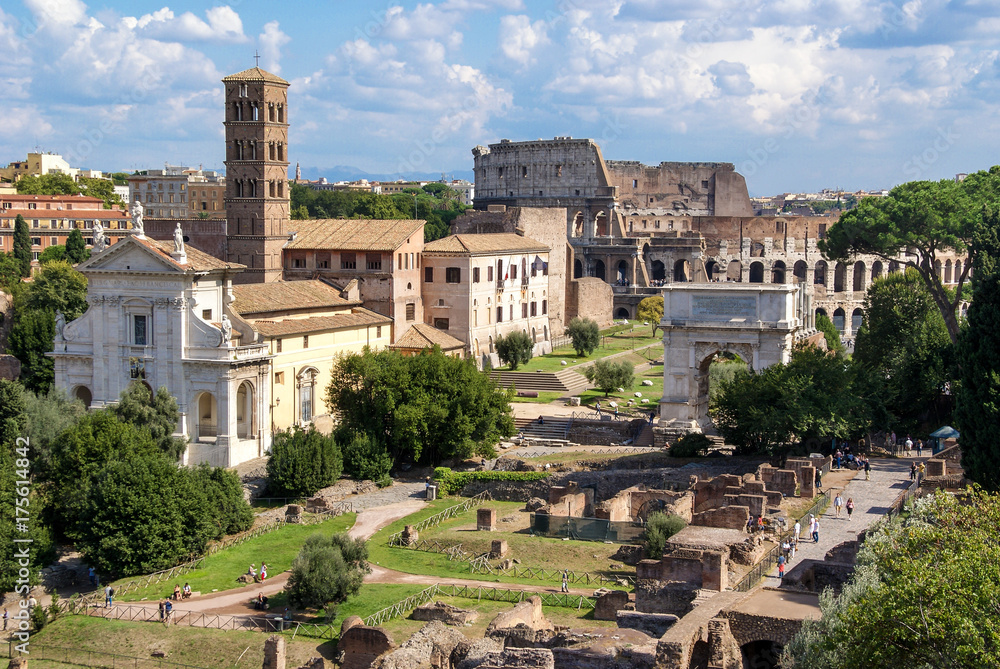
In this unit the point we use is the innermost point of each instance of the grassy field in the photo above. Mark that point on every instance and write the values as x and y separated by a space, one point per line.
549 553
219 571
544 397
185 645
653 393
636 338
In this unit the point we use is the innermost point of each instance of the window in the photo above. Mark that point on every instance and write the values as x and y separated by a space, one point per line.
411 311
453 275
348 261
545 306
524 172
534 308
277 345
489 273
53 241
428 275
779 226
298 263
36 241
307 384
305 341
475 275
635 183
279 378
524 310
822 231
378 331
558 170
441 323
500 314
35 255
510 312
704 184
399 260
140 332
513 271
373 261
206 314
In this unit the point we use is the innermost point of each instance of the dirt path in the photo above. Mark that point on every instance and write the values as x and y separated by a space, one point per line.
383 575
372 520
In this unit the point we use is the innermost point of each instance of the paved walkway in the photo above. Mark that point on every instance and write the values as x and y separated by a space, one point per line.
872 500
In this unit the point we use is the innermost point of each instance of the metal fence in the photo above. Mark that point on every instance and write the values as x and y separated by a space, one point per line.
93 658
585 529
438 518
771 558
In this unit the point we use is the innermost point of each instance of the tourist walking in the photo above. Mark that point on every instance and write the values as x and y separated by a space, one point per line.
868 470
909 446
781 567
109 596
838 502
263 572
168 608
850 507
920 448
565 581
815 530
797 530
6 618
819 480
913 471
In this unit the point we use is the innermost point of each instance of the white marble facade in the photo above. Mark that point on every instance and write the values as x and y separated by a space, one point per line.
156 317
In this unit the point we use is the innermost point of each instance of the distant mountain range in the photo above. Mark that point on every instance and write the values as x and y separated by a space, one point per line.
349 173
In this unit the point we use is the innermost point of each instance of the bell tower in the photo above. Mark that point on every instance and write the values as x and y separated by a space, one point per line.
257 191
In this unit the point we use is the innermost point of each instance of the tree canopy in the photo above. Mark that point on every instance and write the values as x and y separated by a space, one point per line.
651 309
157 413
607 375
302 462
977 411
425 407
924 594
924 218
328 570
64 184
22 244
903 347
586 335
514 349
76 247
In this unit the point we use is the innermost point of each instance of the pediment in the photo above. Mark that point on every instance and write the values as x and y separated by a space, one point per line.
130 256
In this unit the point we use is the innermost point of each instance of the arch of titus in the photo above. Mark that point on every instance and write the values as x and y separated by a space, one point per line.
759 322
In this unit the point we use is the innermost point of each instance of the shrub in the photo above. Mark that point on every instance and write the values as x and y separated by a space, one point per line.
693 445
364 458
659 528
585 335
302 462
514 349
450 482
608 375
327 571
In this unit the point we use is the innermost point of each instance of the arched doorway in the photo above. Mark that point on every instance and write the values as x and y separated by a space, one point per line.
491 344
893 266
577 269
819 275
599 270
307 394
83 394
622 274
876 269
601 224
245 411
763 654
577 227
757 272
622 312
821 312
857 317
206 427
711 269
659 271
734 271
778 272
838 320
859 277
682 271
947 271
840 278
800 270
534 336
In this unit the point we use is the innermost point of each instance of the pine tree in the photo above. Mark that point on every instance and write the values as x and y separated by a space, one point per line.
977 411
22 245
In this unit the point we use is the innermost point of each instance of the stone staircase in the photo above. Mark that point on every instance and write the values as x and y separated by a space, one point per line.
565 381
645 437
552 432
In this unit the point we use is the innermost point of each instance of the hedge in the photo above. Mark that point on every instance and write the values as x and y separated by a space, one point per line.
450 482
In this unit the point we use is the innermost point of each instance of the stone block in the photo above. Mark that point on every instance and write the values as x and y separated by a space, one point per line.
361 644
528 612
935 467
609 604
653 624
431 493
498 549
784 481
486 519
410 536
10 367
274 652
446 613
807 484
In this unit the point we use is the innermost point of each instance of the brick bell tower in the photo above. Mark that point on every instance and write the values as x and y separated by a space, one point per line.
257 193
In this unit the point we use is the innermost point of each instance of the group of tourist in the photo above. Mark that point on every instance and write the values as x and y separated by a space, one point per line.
844 458
166 611
838 505
181 593
260 578
907 446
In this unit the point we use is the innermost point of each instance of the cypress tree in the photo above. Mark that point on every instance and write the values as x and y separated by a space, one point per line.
76 248
977 410
22 245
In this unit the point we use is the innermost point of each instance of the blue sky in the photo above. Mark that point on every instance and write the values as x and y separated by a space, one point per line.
799 94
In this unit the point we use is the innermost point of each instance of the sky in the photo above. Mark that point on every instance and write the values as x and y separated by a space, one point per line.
798 94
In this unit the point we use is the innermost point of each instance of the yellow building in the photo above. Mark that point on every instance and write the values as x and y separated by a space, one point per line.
306 325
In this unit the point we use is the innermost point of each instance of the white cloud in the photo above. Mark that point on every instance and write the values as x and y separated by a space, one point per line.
222 24
271 41
57 12
519 38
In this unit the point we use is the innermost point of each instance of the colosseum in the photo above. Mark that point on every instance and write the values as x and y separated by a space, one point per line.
638 226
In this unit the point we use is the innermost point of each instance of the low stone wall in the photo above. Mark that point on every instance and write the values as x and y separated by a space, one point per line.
602 432
729 517
653 624
361 644
528 612
609 604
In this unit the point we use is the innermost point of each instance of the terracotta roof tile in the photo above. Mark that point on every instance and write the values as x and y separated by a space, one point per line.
256 74
421 335
297 326
503 242
285 295
196 259
353 234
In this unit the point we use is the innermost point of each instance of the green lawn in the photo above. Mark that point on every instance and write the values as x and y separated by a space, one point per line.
186 645
653 393
610 344
544 552
219 572
544 397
